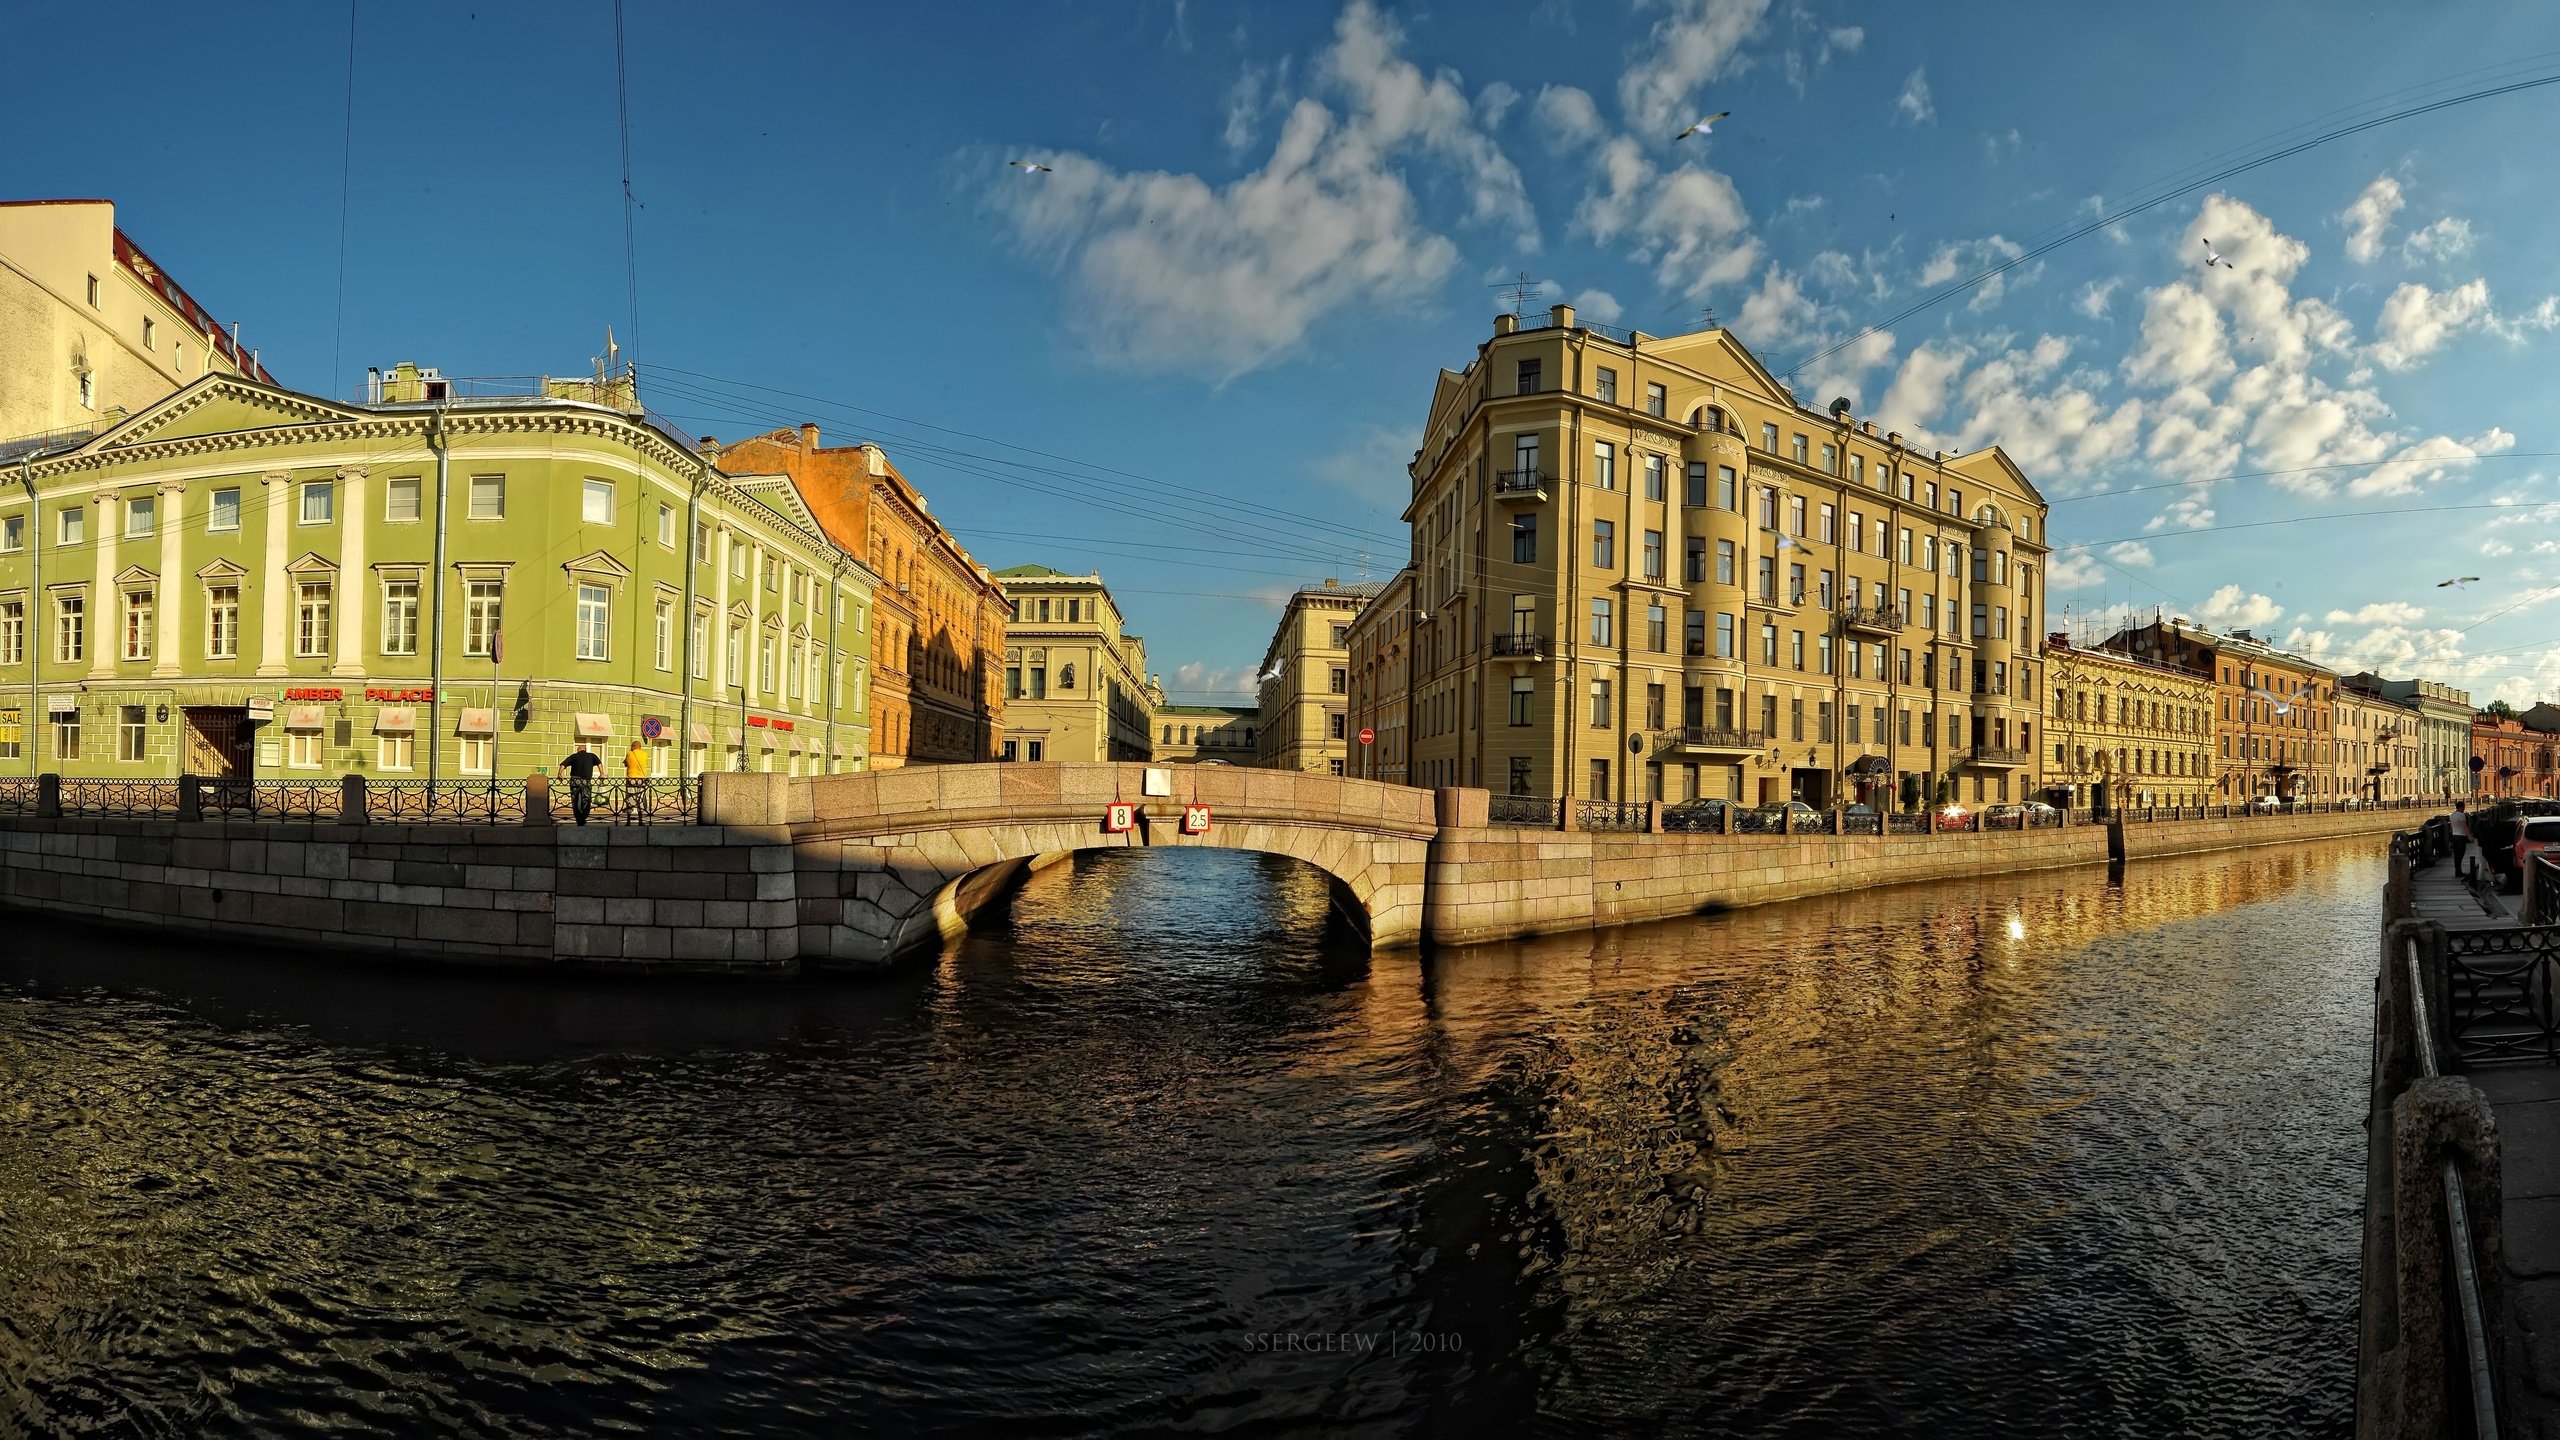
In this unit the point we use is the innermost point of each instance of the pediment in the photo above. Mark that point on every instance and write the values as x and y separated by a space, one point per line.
598 562
136 575
312 563
223 405
222 570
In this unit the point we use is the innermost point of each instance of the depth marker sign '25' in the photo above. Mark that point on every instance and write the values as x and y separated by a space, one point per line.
1195 819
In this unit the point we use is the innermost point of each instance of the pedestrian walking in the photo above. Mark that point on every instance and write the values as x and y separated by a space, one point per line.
2461 842
581 765
635 780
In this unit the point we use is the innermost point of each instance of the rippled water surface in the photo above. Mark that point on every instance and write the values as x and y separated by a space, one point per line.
2038 1155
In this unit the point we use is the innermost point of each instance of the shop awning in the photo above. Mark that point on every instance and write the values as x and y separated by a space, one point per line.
1870 765
395 720
701 733
303 717
477 722
592 726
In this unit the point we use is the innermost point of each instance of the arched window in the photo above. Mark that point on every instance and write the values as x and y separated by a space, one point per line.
1168 734
1715 419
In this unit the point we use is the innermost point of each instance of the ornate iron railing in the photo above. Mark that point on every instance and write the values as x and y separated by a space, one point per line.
483 800
642 802
1867 824
1532 810
18 795
1999 755
1718 737
1760 822
119 797
2498 994
269 799
1886 620
1909 822
1704 820
1613 815
1519 482
1518 643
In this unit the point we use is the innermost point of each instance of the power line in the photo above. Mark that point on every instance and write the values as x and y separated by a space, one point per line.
2081 232
346 175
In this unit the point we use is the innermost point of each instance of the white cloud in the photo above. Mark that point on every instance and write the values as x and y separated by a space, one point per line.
1195 683
2229 608
1843 40
1699 41
1493 104
2496 547
1567 116
1165 271
2380 612
1689 224
2417 321
2446 239
1778 313
1371 464
2095 298
1966 257
2131 552
2182 339
2074 570
2428 461
1913 104
1919 390
1598 305
2001 146
1844 371
2369 217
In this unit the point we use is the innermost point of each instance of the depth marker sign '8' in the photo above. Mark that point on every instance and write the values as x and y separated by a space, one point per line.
1119 819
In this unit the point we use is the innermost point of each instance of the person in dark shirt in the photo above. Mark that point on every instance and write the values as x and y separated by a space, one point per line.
581 765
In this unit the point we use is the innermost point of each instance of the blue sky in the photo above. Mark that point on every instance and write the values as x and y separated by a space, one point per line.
1269 225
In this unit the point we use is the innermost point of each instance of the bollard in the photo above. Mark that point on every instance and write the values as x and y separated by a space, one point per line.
537 799
1724 818
48 796
351 809
190 799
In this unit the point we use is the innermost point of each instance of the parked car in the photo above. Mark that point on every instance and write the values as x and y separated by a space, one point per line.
2004 817
2538 833
1795 813
2266 802
2039 813
1953 814
1702 814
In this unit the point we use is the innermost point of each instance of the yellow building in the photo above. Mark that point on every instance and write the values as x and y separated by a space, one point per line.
1075 686
1306 680
1642 570
92 330
2126 731
2377 745
1190 734
1381 651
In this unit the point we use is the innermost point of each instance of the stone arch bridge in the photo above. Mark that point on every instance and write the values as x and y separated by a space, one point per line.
892 861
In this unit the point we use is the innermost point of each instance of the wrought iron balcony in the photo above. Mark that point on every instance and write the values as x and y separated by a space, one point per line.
2003 756
1723 739
1525 485
1992 687
1524 646
1886 621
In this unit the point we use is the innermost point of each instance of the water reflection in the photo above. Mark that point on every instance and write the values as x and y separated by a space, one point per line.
2045 1153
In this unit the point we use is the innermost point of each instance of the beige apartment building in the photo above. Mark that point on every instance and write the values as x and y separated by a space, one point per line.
1306 680
1075 685
2444 730
1381 650
1190 734
1642 570
2377 745
91 328
2125 731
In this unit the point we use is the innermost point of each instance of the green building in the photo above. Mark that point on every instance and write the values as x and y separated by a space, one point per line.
442 582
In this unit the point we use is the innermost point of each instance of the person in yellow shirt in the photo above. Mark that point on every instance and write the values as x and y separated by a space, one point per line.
635 771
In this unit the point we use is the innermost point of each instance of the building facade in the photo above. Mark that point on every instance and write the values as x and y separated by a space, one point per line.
939 647
1075 684
1642 570
2517 760
2275 714
2126 731
243 581
91 329
2444 731
1306 681
1191 734
2377 745
1381 653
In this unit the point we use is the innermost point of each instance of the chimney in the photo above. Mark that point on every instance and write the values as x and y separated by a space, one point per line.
808 435
1560 316
1506 324
711 448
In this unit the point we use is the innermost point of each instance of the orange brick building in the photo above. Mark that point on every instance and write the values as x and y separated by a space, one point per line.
2518 759
937 636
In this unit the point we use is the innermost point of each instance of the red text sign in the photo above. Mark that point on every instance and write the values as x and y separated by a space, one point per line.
1119 819
330 692
1195 819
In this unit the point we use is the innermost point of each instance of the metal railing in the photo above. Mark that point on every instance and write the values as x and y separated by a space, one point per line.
1519 482
2498 995
1908 822
1760 822
1704 820
1614 815
119 797
1532 810
1869 618
1853 823
1520 643
668 801
2457 1220
1999 755
1718 737
2543 885
268 799
483 800
629 802
1992 687
18 795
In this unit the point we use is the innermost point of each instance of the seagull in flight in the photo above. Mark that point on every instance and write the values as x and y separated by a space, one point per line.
2459 582
2280 704
2212 259
1030 167
1703 127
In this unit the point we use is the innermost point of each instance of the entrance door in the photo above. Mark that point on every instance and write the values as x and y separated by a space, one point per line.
217 742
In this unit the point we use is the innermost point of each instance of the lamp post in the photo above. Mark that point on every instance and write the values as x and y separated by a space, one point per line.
742 727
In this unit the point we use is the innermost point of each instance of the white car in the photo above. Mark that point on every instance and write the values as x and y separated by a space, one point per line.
2266 802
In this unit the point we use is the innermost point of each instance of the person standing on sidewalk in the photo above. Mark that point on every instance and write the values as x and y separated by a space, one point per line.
2461 843
581 765
635 780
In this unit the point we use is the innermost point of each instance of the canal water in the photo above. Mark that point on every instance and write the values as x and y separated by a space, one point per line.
2051 1155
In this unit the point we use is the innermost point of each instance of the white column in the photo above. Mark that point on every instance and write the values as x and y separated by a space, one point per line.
275 608
716 636
173 586
353 600
104 622
755 624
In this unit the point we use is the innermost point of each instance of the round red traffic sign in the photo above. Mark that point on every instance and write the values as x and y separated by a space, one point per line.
1367 735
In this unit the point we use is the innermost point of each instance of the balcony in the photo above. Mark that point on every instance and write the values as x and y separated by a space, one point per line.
1520 646
1992 687
1999 757
1524 487
1870 621
1716 740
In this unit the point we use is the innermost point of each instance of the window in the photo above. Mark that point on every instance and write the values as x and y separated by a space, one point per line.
768 657
1795 718
1724 562
1524 699
667 526
1339 685
13 632
1334 723
141 514
302 749
1653 482
1653 707
1768 577
1693 636
1653 554
319 502
1769 437
400 500
1797 446
225 512
481 614
1604 464
222 622
66 734
93 292
1831 459
395 752
700 636
137 624
72 527
488 497
1657 627
733 667
400 617
70 627
88 390
1600 704
311 618
1341 637
13 533
1695 493
701 542
1795 648
1601 628
666 635
1724 637
1608 386
1604 544
773 581
1656 400
1529 377
595 504
150 333
1768 508
1727 495
1822 652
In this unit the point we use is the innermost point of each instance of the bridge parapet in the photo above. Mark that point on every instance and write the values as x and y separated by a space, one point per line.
896 801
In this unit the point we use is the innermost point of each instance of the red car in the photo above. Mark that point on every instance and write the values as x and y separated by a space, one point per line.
2537 833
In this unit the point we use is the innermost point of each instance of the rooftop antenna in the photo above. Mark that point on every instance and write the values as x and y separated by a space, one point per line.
1707 317
1520 292
612 355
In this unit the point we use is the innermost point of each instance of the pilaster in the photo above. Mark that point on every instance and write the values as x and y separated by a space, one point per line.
275 607
352 601
104 602
174 586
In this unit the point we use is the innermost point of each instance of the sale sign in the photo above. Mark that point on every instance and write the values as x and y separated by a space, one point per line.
1120 819
1195 819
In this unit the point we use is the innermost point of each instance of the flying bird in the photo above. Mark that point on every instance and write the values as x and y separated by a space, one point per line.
1703 127
2459 582
2280 704
1030 167
2212 259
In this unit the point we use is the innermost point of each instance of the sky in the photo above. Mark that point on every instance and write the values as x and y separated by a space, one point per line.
1195 355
